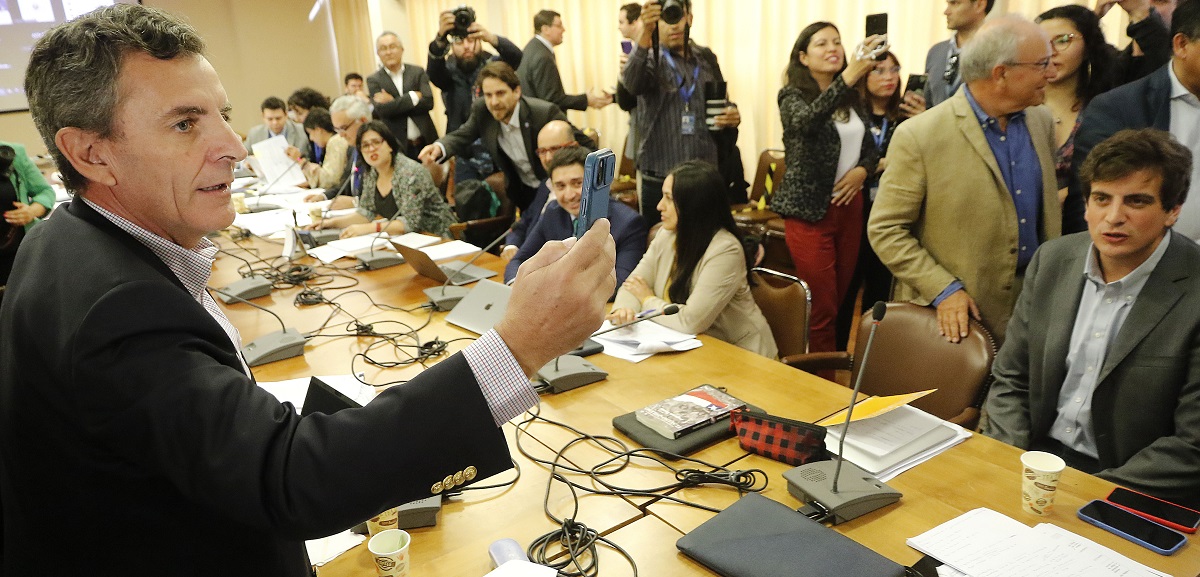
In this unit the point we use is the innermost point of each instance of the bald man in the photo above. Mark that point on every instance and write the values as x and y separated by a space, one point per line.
555 135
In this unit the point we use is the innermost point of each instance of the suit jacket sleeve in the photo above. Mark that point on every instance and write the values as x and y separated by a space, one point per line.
508 52
1007 406
330 173
897 210
435 66
402 104
640 75
1100 121
162 395
533 243
547 84
456 142
631 245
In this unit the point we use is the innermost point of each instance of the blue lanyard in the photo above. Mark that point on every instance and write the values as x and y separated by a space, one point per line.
882 135
685 92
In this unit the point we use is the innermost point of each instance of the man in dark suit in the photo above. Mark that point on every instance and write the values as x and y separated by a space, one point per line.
558 222
539 68
124 404
402 96
1166 100
1102 361
508 123
555 136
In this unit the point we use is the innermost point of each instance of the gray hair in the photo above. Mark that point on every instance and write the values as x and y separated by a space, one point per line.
351 105
997 42
72 76
390 33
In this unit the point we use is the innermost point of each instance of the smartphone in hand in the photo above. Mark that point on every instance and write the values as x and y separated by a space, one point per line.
916 83
598 172
877 24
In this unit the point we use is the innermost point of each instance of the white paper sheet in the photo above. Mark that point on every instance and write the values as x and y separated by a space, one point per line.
636 343
348 247
277 170
295 390
324 550
450 250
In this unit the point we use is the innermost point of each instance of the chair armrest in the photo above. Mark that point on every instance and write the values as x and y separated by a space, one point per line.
754 216
813 362
968 419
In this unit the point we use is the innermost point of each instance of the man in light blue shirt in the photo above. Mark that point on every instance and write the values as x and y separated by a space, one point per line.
1102 361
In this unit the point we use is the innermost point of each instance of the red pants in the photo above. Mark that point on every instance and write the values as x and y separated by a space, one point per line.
825 253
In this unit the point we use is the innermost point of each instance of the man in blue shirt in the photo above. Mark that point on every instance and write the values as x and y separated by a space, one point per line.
970 193
1101 364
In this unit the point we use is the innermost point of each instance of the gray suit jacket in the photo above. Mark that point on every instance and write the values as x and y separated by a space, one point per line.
1146 406
397 112
540 79
292 131
937 90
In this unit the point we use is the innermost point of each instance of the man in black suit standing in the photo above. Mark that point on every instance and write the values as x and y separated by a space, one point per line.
539 68
124 403
402 96
508 123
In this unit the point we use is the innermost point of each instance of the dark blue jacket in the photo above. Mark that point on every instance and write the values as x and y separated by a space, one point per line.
628 229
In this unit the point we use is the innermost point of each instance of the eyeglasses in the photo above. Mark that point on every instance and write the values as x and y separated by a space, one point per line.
951 69
885 70
1061 42
370 144
553 149
388 47
345 127
1042 64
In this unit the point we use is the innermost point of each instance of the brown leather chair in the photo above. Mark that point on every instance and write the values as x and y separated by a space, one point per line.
766 179
909 355
786 302
484 230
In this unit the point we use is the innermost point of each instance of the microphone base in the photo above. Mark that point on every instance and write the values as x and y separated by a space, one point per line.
444 298
571 373
859 492
378 260
587 349
251 287
315 238
273 347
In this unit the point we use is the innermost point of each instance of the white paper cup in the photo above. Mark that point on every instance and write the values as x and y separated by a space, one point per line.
390 551
239 202
1039 481
383 521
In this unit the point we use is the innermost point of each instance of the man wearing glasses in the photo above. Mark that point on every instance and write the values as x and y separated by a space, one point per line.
348 113
401 95
1166 100
555 136
964 17
970 191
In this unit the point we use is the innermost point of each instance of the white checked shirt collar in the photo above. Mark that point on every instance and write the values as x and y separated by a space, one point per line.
1178 91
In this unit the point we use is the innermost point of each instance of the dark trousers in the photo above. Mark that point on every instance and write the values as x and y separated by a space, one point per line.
872 276
1074 458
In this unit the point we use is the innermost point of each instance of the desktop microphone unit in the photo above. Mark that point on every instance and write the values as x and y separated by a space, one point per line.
570 371
251 286
445 297
818 483
283 344
375 261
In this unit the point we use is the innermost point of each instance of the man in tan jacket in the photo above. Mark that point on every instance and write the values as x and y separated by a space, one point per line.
969 193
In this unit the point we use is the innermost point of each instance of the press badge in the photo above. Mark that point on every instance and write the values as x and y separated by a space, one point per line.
688 125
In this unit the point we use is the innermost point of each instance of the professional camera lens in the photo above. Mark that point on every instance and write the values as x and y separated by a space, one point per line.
464 17
672 11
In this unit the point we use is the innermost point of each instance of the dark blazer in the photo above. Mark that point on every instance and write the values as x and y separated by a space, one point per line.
529 217
1143 103
125 409
628 229
397 112
457 84
540 78
481 124
1146 406
812 146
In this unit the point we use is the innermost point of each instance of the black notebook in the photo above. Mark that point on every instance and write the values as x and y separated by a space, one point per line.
758 537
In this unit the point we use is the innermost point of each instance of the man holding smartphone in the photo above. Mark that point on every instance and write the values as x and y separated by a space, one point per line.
1102 361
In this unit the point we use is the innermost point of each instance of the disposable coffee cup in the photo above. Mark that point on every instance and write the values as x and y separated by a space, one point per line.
1039 481
316 214
389 549
383 521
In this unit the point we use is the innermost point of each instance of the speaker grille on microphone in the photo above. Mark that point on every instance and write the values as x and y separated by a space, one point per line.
814 475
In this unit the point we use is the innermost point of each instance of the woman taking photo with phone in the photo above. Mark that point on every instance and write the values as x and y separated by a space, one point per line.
398 193
829 156
697 262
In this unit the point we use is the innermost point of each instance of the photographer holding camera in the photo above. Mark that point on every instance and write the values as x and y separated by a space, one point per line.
670 75
25 197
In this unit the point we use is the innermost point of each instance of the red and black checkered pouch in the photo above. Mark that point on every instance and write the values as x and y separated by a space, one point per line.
785 440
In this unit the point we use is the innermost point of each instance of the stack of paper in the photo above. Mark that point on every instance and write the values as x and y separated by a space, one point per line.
984 543
640 341
295 390
450 250
895 441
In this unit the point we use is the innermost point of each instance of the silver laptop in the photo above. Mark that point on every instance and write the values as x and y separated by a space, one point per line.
454 270
482 308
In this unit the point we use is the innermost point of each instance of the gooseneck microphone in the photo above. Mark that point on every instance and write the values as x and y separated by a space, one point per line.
373 261
271 347
570 370
667 310
817 484
445 297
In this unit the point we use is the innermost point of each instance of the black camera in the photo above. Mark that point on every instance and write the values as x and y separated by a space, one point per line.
672 11
464 17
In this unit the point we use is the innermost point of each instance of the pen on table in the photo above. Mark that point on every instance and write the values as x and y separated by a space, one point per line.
646 313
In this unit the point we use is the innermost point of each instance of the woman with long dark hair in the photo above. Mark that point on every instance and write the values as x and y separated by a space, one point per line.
1085 64
697 262
829 154
398 194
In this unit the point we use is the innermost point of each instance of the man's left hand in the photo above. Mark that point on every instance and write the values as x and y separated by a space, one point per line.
731 118
382 97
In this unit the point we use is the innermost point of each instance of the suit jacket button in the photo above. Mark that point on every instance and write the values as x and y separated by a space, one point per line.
469 473
448 482
437 488
458 478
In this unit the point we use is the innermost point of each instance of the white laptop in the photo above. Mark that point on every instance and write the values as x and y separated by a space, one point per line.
482 308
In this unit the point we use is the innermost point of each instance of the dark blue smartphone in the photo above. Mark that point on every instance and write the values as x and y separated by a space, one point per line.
1140 530
598 172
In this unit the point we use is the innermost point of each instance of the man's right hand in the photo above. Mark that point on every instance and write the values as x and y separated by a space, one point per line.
651 12
431 153
954 316
445 25
559 296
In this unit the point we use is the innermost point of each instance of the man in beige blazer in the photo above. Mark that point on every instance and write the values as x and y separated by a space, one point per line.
969 192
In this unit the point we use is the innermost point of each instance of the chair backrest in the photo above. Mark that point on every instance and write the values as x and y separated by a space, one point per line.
909 355
768 175
787 304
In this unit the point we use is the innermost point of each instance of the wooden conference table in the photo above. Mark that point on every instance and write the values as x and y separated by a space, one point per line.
980 472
